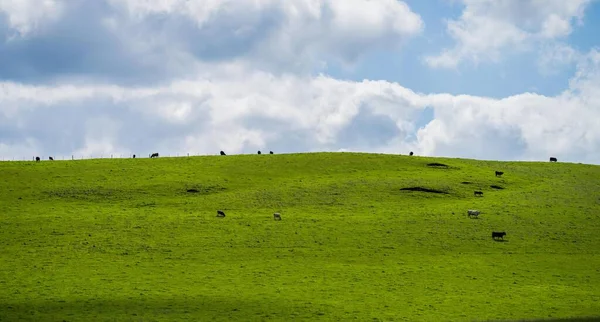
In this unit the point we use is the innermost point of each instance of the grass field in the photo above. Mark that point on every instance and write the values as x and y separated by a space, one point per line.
122 239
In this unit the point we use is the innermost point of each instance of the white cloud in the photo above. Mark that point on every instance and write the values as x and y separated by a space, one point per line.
488 29
296 113
290 35
25 16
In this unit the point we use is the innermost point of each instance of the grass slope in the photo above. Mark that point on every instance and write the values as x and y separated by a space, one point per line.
122 239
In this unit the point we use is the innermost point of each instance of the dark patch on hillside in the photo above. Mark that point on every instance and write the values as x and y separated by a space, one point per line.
496 187
205 190
421 189
466 182
94 193
437 165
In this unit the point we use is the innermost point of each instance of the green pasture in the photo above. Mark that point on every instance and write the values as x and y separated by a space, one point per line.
124 240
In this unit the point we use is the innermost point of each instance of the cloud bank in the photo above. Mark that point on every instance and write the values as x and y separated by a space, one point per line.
91 78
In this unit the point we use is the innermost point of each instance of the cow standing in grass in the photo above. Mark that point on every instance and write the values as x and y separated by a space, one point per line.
51 158
276 216
154 155
498 234
499 173
411 153
473 213
223 153
259 152
37 159
478 193
553 159
220 214
270 152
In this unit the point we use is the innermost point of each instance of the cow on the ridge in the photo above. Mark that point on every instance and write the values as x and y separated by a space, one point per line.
223 153
553 159
154 155
37 159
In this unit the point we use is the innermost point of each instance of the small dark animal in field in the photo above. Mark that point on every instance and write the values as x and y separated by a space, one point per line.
474 213
223 153
276 216
270 152
478 193
553 159
134 156
220 213
154 155
258 152
411 153
498 234
51 158
37 159
499 173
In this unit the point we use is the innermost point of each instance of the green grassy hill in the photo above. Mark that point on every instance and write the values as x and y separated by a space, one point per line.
123 239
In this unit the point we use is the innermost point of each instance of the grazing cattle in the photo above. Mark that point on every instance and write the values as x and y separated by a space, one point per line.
553 159
474 213
270 152
478 193
37 159
154 155
499 173
411 153
220 213
51 158
223 153
134 156
258 152
276 216
498 234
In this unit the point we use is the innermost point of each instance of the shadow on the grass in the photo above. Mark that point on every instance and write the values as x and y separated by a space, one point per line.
148 309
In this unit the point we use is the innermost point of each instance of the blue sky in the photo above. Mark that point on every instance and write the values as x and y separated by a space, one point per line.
487 79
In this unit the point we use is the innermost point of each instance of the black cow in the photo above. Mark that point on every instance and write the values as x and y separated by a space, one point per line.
134 156
499 173
270 152
220 213
258 152
411 153
478 193
37 159
498 234
51 158
154 155
223 153
553 159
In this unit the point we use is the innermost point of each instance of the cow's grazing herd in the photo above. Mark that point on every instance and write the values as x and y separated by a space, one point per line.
221 214
472 213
